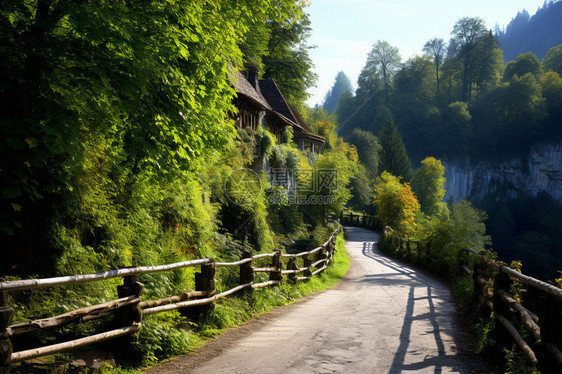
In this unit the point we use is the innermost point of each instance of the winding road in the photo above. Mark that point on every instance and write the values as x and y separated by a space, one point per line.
383 317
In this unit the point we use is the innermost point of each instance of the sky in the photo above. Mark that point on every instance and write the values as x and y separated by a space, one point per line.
344 31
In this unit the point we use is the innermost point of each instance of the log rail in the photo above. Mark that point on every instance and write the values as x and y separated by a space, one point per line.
128 310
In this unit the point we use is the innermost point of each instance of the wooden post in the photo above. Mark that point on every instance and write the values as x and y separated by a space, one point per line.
6 313
276 263
292 265
306 263
549 313
129 315
204 281
246 271
501 281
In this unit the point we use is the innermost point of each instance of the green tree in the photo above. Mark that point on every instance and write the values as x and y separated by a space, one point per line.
109 102
488 63
341 85
552 61
551 87
427 184
395 203
368 149
456 131
288 60
470 227
384 60
435 48
394 158
525 63
467 33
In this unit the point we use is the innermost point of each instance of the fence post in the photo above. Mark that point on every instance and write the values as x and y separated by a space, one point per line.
306 263
205 281
276 263
292 265
246 271
501 281
549 313
6 313
128 315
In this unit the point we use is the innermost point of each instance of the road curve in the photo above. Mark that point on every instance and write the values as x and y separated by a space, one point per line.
384 317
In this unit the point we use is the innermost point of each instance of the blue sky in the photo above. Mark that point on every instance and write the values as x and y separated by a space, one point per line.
344 31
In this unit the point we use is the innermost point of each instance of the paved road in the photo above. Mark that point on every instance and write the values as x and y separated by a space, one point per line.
384 317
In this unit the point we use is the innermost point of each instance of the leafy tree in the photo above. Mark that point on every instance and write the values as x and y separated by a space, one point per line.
525 63
488 64
427 184
384 60
341 85
395 202
368 149
467 33
435 48
551 87
288 60
394 158
456 129
109 102
412 100
469 222
553 60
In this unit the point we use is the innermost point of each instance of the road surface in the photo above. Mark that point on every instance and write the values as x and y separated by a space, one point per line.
383 317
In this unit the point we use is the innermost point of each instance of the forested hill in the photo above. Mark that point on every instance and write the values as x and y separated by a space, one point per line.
535 34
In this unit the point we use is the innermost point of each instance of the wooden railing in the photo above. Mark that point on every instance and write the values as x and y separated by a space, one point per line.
360 220
128 310
527 311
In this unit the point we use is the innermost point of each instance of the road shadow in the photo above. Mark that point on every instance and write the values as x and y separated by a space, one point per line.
429 292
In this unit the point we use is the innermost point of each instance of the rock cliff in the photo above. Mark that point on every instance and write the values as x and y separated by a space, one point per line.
541 171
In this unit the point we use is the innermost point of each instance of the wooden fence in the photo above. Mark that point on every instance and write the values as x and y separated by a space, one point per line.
360 220
128 310
527 311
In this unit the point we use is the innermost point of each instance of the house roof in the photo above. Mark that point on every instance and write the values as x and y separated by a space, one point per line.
242 86
269 97
284 110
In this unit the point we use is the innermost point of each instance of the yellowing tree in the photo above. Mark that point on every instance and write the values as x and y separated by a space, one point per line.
396 203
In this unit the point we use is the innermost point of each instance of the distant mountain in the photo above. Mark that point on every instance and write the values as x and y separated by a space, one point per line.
535 34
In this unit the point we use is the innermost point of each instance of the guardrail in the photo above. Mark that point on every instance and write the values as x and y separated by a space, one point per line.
129 309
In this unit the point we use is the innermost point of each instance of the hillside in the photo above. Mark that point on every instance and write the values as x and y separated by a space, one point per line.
537 33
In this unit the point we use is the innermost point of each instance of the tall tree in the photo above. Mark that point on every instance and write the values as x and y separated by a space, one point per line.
342 84
383 59
467 32
394 158
427 184
435 48
368 149
288 60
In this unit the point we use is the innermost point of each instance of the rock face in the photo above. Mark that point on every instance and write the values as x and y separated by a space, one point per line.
542 171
